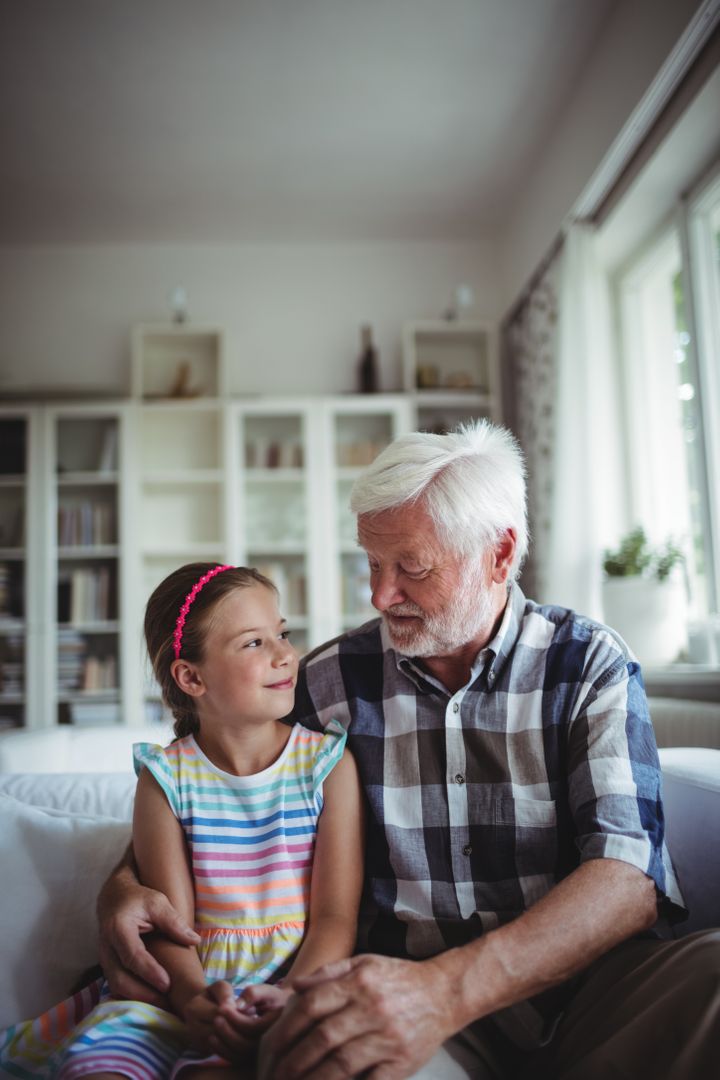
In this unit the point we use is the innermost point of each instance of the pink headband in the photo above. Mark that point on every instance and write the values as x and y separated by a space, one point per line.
180 624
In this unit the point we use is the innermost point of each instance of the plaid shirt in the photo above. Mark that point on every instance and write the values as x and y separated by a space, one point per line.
480 801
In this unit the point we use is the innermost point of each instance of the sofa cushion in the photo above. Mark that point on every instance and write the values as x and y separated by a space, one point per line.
691 796
101 794
57 863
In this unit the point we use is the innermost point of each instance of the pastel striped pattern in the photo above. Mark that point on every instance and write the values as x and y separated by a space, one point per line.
251 841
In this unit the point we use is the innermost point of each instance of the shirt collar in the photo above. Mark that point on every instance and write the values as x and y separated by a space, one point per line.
507 634
404 664
491 659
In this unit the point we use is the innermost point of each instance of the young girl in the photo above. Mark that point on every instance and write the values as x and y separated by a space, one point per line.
251 828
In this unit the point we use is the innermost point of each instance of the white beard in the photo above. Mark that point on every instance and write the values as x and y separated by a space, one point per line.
471 611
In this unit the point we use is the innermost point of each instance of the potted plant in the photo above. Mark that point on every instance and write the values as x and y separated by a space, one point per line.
644 597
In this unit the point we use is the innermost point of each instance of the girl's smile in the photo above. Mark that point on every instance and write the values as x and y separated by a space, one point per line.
249 670
286 684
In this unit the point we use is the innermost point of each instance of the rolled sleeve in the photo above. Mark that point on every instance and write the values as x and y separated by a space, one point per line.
615 785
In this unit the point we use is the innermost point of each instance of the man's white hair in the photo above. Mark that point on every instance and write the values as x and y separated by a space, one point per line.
471 482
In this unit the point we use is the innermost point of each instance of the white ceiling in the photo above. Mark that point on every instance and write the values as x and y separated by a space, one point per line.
278 120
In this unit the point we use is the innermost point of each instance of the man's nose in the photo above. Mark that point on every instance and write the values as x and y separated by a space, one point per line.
385 590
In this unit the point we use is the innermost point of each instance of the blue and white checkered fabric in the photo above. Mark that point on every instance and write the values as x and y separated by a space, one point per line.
481 801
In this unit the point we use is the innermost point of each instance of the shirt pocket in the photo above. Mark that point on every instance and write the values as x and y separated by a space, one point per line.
526 834
525 813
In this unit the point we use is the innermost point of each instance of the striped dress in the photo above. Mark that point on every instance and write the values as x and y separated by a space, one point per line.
251 841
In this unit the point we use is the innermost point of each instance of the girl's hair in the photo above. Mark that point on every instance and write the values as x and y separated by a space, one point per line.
471 482
161 616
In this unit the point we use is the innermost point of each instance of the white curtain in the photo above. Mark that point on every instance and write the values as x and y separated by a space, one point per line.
587 491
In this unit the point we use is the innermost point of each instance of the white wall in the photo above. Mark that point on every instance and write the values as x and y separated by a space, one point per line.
292 314
628 55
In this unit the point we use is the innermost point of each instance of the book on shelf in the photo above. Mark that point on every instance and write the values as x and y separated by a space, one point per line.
86 524
95 713
79 668
81 582
290 583
72 648
157 714
12 525
108 459
102 528
99 673
88 595
11 590
12 677
5 607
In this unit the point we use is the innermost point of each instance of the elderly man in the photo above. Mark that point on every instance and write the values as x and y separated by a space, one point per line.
516 868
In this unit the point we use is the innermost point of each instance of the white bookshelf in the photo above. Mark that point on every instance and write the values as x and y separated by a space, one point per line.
17 589
450 372
177 362
297 460
104 499
85 572
356 430
275 456
178 471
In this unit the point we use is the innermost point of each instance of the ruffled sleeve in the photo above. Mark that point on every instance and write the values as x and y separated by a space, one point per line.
154 758
329 751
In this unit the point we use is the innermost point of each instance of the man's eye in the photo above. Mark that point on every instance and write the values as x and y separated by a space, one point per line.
285 634
253 644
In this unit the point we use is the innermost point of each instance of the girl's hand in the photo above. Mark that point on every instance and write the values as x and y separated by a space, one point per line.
242 1021
265 1000
202 1010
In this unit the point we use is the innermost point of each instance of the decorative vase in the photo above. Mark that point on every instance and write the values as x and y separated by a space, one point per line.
650 615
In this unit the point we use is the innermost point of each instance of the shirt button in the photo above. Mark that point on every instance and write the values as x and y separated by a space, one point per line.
456 707
459 778
491 678
467 850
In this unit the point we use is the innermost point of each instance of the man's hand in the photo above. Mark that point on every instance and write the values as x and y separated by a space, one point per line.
126 910
370 1015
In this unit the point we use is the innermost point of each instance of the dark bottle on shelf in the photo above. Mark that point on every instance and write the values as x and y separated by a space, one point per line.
367 363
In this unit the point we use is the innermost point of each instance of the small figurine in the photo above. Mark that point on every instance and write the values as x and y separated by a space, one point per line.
181 387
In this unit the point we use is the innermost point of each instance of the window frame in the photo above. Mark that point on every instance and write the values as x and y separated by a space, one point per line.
686 227
701 272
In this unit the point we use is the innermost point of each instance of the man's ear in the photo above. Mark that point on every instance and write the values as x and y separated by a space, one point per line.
503 555
188 678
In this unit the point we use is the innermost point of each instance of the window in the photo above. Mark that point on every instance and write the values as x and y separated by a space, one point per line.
703 242
668 299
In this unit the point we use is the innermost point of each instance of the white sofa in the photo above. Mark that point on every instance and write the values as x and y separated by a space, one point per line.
68 749
62 831
66 797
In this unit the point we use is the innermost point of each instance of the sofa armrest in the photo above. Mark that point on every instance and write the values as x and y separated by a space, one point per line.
691 794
